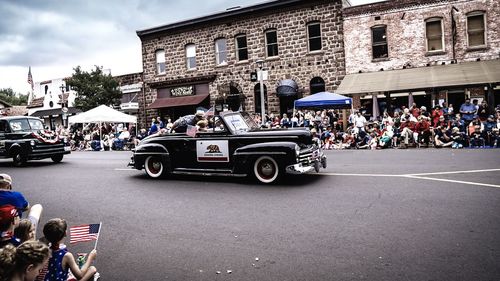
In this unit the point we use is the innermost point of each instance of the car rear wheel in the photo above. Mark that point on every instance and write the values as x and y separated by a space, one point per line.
154 166
266 169
57 158
19 159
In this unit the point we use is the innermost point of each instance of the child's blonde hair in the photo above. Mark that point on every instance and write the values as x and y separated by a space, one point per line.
13 260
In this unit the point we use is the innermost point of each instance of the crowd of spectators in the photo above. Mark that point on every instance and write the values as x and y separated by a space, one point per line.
22 256
469 126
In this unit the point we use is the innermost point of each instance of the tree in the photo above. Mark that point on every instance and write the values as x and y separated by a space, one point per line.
9 96
94 88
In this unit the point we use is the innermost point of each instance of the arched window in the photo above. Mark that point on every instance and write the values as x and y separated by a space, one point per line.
160 61
256 91
221 51
191 56
316 85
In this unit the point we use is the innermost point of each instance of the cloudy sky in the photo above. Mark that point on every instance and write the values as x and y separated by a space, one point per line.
54 36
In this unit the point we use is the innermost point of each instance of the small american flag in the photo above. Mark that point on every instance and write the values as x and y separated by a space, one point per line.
191 131
30 79
83 233
42 273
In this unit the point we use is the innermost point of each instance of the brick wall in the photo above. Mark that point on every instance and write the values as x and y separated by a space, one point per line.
294 61
405 21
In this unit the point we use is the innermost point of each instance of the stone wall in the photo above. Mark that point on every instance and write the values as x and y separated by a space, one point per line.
294 60
405 21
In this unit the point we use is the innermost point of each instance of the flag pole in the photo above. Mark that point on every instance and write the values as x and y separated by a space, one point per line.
98 233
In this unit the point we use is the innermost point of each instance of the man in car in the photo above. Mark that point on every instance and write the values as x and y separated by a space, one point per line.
180 125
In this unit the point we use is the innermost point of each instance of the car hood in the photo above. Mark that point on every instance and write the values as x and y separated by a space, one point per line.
303 134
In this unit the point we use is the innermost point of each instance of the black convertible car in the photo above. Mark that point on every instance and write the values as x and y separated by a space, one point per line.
233 146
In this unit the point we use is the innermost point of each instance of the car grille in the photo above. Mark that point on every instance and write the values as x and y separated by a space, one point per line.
306 156
48 147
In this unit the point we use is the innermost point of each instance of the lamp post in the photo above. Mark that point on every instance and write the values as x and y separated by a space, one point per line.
260 63
64 109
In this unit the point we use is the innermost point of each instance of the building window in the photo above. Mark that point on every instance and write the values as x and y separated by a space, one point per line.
241 47
191 56
476 31
271 43
434 35
314 36
160 61
379 42
221 51
316 85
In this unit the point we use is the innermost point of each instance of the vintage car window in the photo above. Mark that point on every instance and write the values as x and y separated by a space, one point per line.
35 124
4 128
237 122
18 125
219 124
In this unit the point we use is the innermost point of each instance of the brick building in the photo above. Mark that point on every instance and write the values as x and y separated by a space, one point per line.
211 59
440 51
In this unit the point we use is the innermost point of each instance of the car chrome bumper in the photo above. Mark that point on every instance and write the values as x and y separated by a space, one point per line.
299 168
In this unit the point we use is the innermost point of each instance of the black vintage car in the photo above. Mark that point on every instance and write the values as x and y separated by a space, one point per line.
24 138
233 146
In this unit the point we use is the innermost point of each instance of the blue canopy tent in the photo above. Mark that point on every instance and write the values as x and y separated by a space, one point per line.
324 100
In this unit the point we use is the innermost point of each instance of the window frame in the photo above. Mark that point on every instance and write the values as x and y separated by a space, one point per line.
376 44
238 48
188 61
475 14
275 31
160 59
309 39
217 52
441 25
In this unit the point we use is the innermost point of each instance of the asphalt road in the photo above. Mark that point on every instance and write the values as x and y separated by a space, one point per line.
371 215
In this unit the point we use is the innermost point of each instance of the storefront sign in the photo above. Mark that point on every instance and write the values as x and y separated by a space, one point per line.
182 91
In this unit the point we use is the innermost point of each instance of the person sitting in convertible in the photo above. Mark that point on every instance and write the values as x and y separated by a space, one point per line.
180 125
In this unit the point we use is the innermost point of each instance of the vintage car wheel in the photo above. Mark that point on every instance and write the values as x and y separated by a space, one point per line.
154 166
19 159
266 169
57 158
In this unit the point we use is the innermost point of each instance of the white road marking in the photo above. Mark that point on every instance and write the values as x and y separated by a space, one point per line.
455 181
455 172
421 176
125 169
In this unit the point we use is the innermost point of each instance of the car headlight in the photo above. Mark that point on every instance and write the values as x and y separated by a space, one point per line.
297 150
32 143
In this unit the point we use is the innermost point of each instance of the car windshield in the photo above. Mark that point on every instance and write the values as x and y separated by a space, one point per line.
20 125
236 122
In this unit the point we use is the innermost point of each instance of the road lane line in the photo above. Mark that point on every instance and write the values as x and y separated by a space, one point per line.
455 172
359 175
125 169
455 181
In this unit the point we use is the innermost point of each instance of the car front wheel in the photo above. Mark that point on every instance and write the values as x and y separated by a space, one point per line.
266 169
19 159
57 158
154 166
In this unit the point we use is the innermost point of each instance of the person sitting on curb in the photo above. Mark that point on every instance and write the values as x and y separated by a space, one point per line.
24 262
8 196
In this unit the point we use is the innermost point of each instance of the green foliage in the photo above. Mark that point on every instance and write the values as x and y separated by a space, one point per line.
94 88
9 96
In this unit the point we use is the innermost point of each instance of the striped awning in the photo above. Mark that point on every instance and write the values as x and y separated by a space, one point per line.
439 76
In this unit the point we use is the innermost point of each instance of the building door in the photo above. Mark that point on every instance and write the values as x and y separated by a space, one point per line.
256 91
456 98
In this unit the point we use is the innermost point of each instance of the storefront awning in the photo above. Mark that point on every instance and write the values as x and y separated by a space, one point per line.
55 111
287 88
177 101
463 74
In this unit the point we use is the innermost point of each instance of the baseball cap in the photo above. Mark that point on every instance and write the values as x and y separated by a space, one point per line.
7 213
200 113
4 180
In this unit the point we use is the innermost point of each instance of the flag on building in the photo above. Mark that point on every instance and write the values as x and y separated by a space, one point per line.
30 79
83 233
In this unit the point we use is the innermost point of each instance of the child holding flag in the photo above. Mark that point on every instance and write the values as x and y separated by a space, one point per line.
62 260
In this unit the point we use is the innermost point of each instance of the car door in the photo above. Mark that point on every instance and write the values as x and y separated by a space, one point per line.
4 128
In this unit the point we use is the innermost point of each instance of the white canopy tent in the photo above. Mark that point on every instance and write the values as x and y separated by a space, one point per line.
101 114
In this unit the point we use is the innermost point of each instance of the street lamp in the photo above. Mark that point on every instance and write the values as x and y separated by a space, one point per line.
64 109
260 63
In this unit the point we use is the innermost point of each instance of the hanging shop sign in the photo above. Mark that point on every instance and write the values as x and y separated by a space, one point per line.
182 91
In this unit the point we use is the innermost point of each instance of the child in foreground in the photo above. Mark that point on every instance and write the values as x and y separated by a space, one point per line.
62 261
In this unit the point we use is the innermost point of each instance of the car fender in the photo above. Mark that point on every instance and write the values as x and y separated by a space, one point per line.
15 147
283 152
150 149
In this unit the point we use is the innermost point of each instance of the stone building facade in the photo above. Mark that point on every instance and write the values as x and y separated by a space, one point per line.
214 59
396 38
